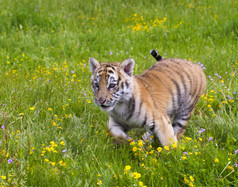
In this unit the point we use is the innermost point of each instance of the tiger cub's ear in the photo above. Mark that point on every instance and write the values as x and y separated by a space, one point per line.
93 64
128 66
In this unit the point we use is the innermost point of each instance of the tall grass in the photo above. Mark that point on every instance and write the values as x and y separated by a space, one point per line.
52 133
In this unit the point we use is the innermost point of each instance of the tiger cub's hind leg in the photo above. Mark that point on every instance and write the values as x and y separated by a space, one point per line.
161 127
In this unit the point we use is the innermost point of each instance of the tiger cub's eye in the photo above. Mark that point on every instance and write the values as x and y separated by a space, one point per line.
111 86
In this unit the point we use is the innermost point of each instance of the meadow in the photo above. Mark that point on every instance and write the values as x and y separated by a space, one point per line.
51 131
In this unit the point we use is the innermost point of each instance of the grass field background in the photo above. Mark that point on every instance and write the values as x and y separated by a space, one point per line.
52 133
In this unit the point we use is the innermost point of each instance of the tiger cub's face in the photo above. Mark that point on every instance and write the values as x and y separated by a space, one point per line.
111 82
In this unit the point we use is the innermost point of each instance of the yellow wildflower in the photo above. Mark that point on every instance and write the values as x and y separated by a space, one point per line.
136 175
166 148
3 177
32 108
191 178
231 168
52 163
216 160
184 157
140 143
186 180
159 149
134 149
127 168
99 182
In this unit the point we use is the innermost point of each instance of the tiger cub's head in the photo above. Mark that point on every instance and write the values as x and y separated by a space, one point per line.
111 82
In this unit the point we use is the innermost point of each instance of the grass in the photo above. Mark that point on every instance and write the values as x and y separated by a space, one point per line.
52 133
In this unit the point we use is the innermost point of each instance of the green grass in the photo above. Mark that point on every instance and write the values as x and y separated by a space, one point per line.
52 133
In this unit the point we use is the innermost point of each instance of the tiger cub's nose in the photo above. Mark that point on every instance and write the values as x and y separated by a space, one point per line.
101 100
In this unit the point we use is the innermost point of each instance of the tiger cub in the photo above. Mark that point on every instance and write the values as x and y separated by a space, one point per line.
161 100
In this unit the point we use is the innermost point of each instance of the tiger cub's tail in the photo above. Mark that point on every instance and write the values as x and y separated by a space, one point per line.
156 55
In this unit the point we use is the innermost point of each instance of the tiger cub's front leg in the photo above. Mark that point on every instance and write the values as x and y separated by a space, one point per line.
118 132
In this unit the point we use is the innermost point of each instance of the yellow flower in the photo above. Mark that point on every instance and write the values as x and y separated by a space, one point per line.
174 145
3 177
231 168
191 178
52 163
62 163
99 182
141 184
191 184
166 148
62 143
186 180
127 168
140 143
159 149
209 106
216 160
134 149
200 139
53 144
132 143
188 138
32 108
50 109
184 157
136 175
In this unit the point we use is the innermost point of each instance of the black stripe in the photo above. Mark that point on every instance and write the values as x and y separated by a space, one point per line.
111 66
122 86
153 126
192 106
119 80
131 107
127 84
178 124
110 71
178 92
144 122
140 108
